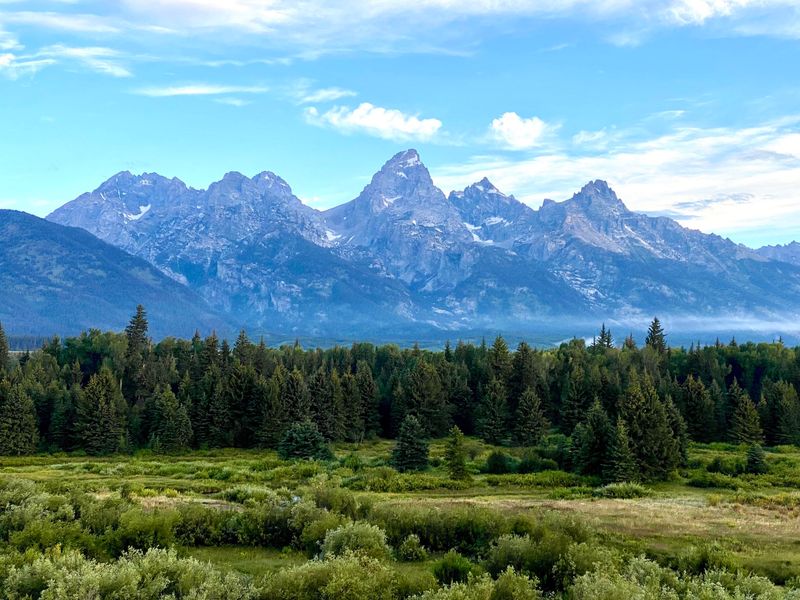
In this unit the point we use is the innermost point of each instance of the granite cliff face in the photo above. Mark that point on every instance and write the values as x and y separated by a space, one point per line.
402 255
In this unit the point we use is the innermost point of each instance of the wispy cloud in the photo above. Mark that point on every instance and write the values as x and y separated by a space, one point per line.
237 102
724 180
102 60
64 21
14 67
386 123
198 89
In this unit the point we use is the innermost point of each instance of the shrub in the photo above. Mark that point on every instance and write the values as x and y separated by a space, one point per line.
358 538
499 463
142 530
533 463
349 577
452 568
621 491
411 550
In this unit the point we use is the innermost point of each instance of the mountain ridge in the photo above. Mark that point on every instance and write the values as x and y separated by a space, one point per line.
404 254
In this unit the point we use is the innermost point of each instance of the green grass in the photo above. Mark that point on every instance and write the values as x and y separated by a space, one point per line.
754 518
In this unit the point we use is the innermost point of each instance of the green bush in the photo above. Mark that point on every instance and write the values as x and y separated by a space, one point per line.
500 463
348 577
621 491
358 538
452 568
411 549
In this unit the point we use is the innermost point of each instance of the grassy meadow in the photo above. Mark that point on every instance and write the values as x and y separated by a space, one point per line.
248 513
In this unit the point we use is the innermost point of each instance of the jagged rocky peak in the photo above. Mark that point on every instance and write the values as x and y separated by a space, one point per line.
598 195
482 203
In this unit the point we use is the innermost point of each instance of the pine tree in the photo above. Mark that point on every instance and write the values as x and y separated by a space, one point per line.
531 423
426 399
493 418
100 415
295 397
455 455
745 426
18 429
220 430
320 392
411 450
523 374
591 440
756 460
699 410
620 462
651 437
303 440
656 339
138 343
679 432
369 399
353 416
276 415
500 360
5 354
173 429
242 349
577 400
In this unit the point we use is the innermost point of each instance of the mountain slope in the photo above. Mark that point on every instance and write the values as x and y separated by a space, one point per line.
62 279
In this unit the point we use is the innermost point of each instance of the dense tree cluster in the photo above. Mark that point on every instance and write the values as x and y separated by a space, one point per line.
627 412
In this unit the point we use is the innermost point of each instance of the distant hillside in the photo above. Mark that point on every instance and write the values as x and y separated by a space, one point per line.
58 279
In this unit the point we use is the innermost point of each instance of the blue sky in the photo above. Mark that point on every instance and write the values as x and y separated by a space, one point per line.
689 108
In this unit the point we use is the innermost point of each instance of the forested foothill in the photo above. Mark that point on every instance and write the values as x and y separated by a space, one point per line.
200 469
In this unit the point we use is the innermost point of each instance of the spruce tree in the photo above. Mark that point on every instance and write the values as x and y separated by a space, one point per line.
500 360
353 416
493 417
303 440
700 418
369 399
320 392
455 455
656 339
620 462
530 421
411 450
591 440
651 437
523 374
679 432
18 428
426 399
276 415
100 415
220 430
745 425
172 431
5 354
577 400
295 397
756 460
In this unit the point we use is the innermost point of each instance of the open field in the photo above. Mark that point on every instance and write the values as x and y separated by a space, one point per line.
748 522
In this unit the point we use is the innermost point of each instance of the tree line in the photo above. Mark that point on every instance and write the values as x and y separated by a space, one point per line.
621 412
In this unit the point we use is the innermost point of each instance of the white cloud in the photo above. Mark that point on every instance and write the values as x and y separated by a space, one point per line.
237 102
386 123
324 95
722 180
96 58
517 133
8 41
13 66
199 89
84 23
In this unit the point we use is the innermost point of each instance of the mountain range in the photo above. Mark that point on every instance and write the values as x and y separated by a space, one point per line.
403 257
